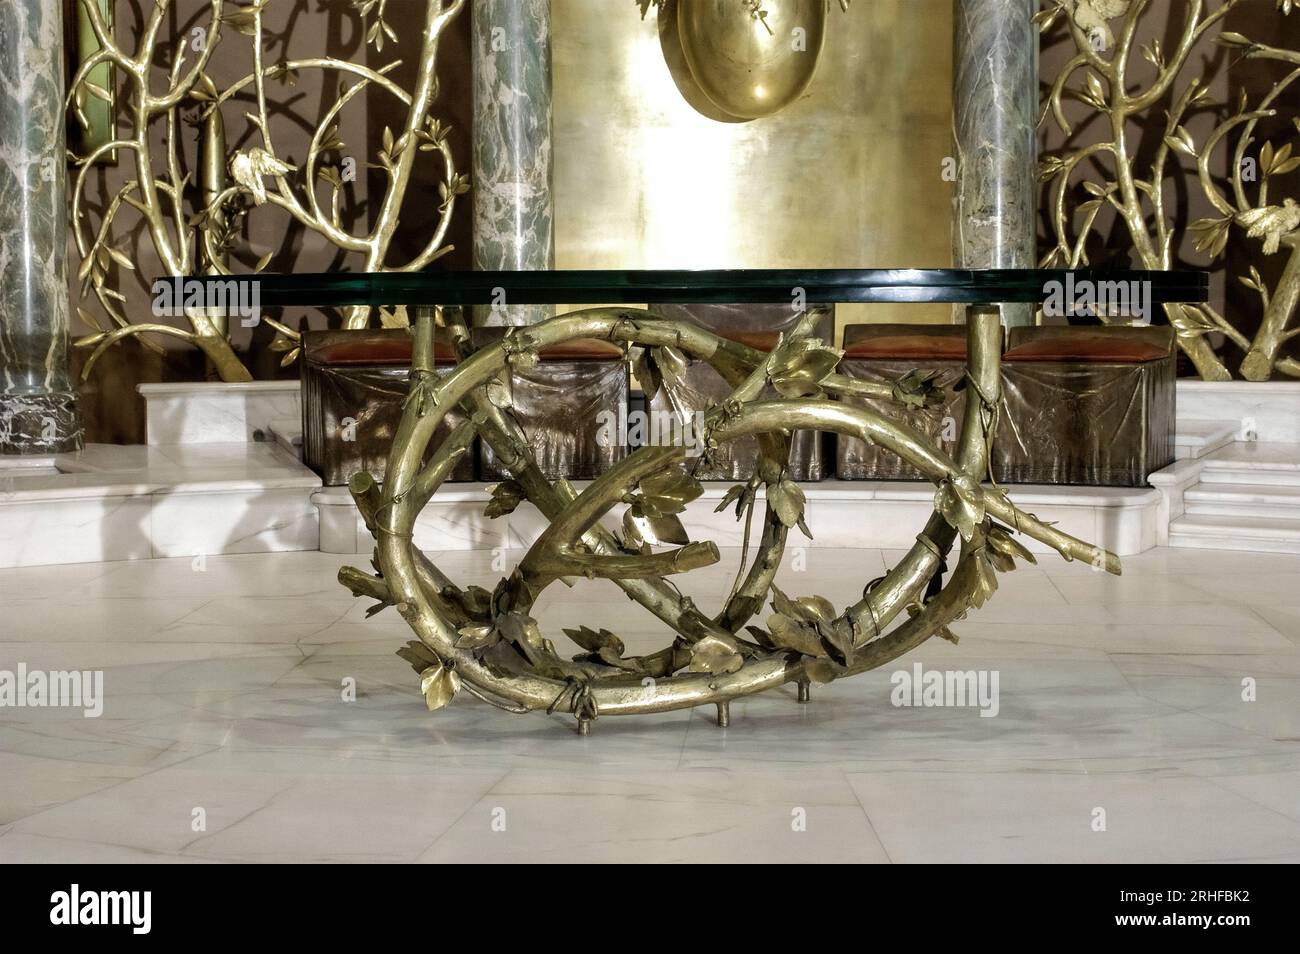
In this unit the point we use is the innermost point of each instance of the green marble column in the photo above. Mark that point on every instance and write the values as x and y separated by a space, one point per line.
38 407
513 207
995 109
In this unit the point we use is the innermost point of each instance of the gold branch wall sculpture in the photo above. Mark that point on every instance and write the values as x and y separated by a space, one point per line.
194 216
1087 179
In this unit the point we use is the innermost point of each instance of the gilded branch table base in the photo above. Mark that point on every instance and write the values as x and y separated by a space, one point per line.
488 642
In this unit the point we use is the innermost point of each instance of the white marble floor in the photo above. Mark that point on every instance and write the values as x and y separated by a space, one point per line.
225 736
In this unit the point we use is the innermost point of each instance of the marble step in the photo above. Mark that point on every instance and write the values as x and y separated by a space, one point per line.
1235 532
1249 500
1195 439
112 502
1258 476
1275 465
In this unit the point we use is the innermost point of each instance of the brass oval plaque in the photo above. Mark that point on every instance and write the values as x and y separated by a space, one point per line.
752 59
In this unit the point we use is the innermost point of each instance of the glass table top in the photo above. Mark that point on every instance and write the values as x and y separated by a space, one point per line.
726 286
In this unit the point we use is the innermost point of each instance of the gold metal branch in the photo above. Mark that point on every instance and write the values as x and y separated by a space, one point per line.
420 132
1275 223
178 223
488 641
158 196
1098 75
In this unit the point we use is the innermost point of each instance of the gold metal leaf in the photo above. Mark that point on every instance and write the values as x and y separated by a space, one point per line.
961 503
439 685
500 390
477 637
788 501
740 495
985 584
506 496
1004 549
817 607
593 640
602 646
668 492
821 671
716 654
917 389
420 656
663 530
802 366
521 630
837 636
787 633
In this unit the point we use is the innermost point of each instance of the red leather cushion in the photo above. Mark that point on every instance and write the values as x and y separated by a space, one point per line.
396 350
388 350
1100 345
909 347
758 340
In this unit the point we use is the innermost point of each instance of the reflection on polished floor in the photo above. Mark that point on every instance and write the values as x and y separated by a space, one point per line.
225 736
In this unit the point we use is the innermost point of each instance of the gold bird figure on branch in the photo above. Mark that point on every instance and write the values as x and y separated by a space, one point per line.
248 168
1091 16
1271 223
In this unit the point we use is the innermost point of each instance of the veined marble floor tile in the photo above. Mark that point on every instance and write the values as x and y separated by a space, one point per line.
161 811
30 784
19 848
308 574
1258 588
1048 817
692 815
1085 585
56 581
81 617
1278 791
93 742
253 686
319 610
1279 665
1134 637
1178 560
854 727
127 660
1285 619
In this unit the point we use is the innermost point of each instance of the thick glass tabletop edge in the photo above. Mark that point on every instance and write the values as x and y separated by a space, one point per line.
731 286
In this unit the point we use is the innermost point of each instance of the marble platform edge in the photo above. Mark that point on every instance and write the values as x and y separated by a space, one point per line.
143 502
159 470
151 488
1197 438
842 514
19 464
906 490
169 388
